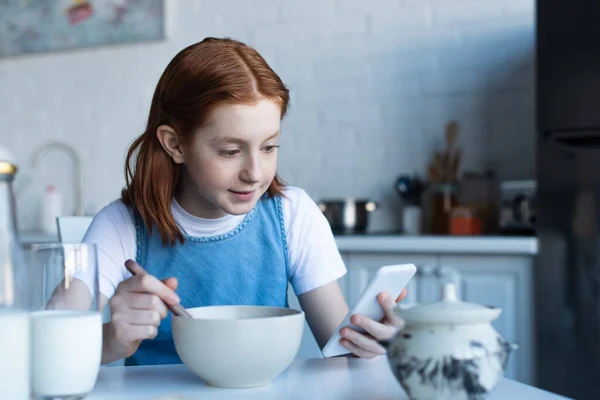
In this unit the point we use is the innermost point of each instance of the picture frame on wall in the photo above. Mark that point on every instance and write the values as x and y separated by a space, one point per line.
35 26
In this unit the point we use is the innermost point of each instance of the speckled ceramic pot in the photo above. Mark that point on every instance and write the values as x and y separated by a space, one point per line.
448 350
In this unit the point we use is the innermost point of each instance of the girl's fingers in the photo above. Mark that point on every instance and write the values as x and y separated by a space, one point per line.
365 342
356 350
378 330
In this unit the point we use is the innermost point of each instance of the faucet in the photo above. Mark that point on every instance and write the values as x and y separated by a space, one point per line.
64 148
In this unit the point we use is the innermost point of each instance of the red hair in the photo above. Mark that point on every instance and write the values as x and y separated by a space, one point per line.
200 77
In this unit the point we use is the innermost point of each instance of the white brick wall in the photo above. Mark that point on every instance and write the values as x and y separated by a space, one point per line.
373 84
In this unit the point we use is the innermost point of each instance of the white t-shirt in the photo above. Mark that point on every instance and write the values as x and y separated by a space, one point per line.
314 257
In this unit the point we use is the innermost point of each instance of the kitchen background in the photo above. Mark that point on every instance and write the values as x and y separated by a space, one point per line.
373 86
377 89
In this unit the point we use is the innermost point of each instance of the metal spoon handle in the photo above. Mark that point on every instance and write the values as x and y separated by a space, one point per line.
136 269
178 310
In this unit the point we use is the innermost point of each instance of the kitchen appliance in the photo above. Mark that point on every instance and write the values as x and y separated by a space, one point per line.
567 275
347 215
518 207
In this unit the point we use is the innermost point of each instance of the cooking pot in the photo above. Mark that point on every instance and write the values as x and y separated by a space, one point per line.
347 215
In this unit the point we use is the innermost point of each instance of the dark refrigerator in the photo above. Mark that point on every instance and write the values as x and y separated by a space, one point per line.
567 273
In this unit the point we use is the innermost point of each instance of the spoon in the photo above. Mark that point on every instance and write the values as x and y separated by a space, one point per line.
177 309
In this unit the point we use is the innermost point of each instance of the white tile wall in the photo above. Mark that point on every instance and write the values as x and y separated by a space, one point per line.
373 84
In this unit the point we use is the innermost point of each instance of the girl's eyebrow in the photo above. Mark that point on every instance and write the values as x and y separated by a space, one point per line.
229 139
273 136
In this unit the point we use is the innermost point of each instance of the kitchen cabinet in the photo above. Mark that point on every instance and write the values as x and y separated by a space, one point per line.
500 279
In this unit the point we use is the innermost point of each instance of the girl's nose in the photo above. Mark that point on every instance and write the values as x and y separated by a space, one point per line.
251 171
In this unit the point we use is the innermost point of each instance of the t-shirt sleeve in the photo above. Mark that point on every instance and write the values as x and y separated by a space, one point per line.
313 254
113 232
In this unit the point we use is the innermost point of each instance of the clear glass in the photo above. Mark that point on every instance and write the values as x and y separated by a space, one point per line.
66 328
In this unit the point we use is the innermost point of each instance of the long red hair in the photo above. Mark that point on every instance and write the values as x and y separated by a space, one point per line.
200 77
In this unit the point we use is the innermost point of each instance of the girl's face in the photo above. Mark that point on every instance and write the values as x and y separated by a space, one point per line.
231 161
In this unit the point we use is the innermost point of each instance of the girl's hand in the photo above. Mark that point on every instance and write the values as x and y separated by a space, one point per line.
137 309
365 345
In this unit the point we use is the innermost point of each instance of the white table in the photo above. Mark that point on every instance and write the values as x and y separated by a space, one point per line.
332 378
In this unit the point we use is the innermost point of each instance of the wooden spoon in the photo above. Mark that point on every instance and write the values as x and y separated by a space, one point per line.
452 156
451 134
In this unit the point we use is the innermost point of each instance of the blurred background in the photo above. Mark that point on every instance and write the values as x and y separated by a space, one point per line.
373 87
460 136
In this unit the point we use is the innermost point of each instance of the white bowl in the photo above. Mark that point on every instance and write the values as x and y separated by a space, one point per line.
238 346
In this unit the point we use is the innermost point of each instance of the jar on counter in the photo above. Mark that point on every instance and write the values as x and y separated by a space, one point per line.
438 201
465 221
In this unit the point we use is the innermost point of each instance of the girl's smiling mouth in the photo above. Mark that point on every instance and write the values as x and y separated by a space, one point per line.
243 195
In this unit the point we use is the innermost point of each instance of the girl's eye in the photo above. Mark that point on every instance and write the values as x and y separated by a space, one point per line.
269 149
229 153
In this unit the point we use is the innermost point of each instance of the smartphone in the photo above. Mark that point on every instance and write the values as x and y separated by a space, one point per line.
391 279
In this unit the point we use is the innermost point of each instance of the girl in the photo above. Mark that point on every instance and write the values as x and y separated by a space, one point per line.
204 210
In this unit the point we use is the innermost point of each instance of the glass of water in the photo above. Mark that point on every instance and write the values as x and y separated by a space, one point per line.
66 329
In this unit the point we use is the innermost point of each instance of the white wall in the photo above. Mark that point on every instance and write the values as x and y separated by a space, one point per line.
373 84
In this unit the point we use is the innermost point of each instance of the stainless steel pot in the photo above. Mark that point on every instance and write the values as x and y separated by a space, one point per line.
347 215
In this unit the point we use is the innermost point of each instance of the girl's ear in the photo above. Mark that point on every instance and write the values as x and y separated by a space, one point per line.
169 140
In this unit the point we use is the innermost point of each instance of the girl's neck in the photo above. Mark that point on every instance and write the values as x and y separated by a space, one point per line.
194 203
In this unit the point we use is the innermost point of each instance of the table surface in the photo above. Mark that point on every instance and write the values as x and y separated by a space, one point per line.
432 244
327 378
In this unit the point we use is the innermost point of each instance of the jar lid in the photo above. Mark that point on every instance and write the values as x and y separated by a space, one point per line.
449 310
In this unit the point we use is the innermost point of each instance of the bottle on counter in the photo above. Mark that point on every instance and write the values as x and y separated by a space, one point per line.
51 208
14 316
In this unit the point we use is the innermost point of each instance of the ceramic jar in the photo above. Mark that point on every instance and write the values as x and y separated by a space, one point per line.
448 350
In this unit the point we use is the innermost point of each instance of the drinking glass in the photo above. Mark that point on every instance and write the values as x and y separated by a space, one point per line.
66 329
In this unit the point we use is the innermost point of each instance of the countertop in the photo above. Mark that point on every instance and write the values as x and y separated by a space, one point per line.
30 237
437 244
329 378
396 243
